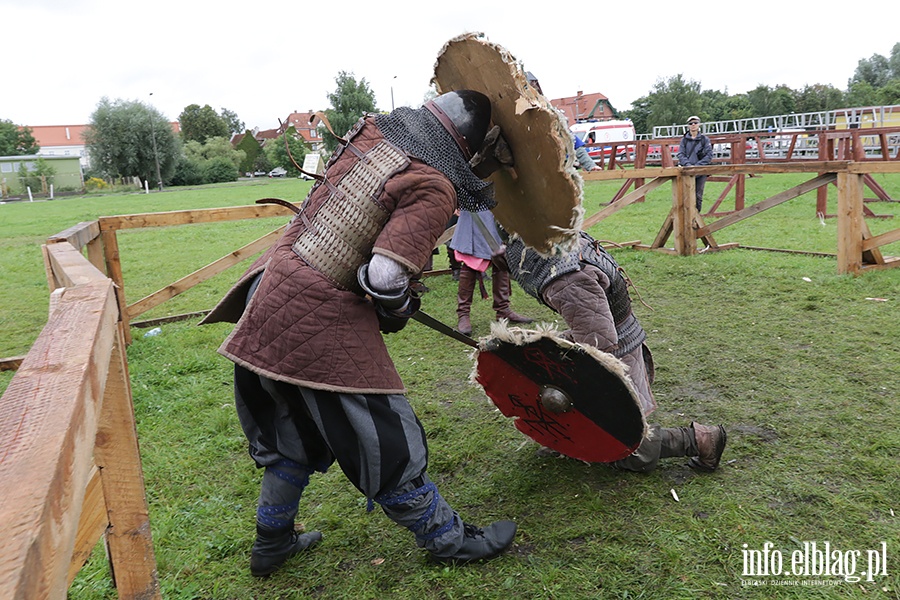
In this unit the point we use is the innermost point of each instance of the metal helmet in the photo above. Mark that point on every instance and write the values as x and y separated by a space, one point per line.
466 115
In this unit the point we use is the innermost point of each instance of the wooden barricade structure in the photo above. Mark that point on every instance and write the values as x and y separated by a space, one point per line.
69 460
857 248
70 466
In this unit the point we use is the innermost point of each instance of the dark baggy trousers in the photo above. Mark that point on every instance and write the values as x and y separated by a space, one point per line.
376 439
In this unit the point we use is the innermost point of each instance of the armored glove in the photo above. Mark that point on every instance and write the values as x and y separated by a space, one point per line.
494 154
393 307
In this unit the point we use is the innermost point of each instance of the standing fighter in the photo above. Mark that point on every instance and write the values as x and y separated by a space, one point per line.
313 379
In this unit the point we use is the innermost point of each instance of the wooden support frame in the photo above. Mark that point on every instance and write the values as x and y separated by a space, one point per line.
68 407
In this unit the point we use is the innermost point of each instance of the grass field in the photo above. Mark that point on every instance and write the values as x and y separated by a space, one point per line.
800 365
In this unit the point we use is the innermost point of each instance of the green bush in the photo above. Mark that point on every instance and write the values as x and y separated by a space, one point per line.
187 172
219 170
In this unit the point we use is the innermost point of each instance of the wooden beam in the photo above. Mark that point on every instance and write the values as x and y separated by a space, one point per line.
78 235
768 203
91 525
876 241
684 212
114 270
185 217
117 455
202 274
850 218
47 425
629 198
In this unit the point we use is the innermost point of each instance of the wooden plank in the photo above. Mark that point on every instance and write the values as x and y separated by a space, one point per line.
78 235
117 455
629 198
768 203
850 217
684 211
91 525
47 430
114 270
870 166
872 256
69 266
876 241
648 173
202 274
664 232
184 217
11 363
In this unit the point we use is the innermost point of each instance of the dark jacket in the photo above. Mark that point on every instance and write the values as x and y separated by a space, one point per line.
694 151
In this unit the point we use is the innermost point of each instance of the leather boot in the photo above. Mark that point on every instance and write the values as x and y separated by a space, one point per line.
464 300
481 544
273 547
710 446
502 291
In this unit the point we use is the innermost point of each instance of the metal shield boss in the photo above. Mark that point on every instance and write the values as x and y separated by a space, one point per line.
568 397
540 197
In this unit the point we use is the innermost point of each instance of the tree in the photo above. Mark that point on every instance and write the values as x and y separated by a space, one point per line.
121 138
235 125
348 103
198 124
818 97
876 71
672 101
767 101
16 141
277 154
251 149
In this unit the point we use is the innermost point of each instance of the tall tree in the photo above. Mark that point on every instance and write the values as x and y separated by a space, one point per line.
198 124
235 125
128 138
277 154
672 101
767 101
876 71
16 141
818 97
349 101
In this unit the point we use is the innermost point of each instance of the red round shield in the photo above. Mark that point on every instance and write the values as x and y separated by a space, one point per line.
600 419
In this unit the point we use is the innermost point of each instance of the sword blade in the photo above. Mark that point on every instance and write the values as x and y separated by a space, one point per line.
428 320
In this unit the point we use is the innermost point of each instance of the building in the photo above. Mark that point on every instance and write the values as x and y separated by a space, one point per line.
581 107
304 123
68 140
61 140
67 177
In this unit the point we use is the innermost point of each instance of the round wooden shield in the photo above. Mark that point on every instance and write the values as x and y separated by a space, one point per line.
540 198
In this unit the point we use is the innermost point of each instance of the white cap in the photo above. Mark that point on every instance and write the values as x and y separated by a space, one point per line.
693 118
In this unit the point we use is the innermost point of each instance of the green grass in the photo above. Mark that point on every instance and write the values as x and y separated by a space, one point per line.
794 359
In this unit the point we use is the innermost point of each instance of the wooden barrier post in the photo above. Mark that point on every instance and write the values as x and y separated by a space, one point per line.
850 223
684 209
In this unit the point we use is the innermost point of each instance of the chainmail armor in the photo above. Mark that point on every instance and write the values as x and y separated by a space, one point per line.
421 135
534 273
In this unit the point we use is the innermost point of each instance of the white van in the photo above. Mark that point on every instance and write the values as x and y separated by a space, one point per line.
602 132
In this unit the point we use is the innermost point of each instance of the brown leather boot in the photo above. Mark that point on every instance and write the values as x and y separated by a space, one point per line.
502 291
710 446
464 296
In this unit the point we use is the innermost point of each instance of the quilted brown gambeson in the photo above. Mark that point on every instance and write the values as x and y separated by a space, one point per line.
301 327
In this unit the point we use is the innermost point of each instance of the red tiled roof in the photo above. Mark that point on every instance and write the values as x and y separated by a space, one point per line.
68 135
306 125
584 106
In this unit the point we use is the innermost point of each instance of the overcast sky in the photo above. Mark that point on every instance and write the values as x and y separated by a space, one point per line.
267 58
